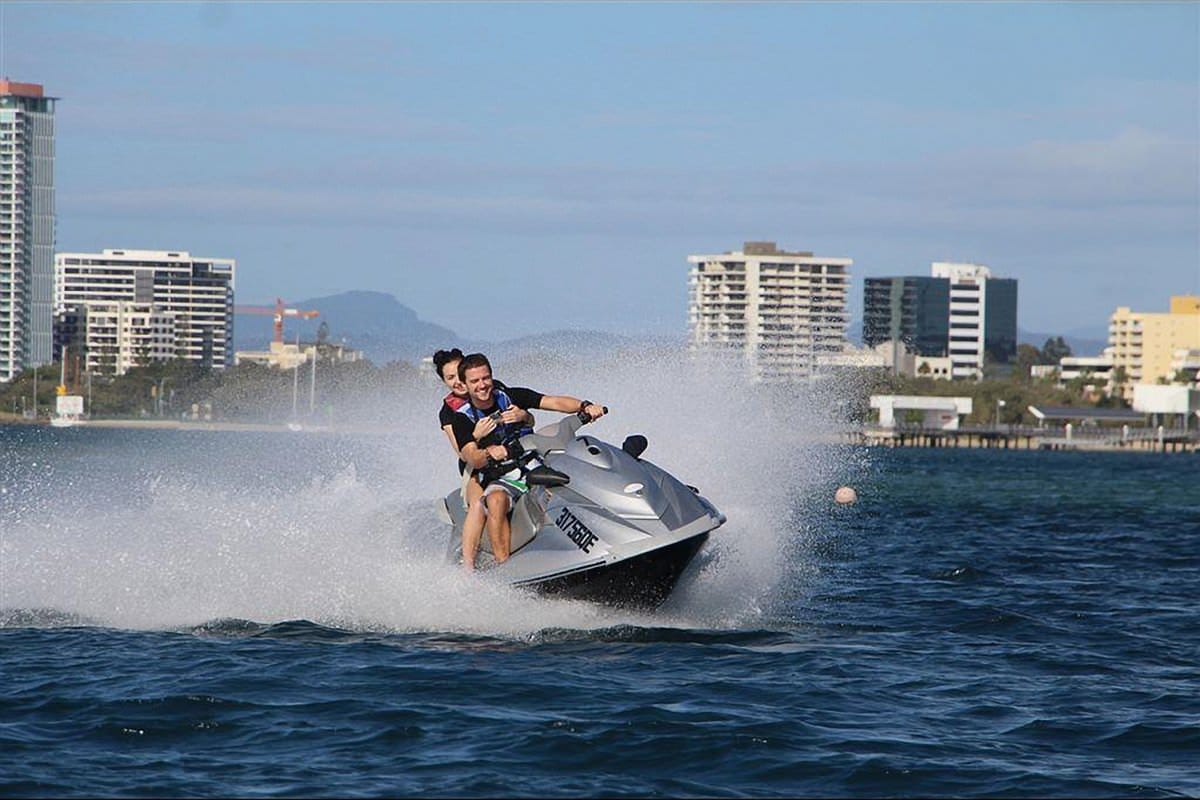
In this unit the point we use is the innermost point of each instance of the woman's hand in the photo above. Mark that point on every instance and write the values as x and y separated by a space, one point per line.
483 428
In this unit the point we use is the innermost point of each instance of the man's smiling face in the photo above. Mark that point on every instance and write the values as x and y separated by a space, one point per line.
479 385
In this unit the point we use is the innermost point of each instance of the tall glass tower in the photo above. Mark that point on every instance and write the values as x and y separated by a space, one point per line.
913 310
26 227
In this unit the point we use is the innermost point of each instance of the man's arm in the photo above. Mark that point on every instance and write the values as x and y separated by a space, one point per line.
571 405
477 457
527 398
472 454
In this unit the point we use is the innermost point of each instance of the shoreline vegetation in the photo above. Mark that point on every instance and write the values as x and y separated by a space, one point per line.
179 395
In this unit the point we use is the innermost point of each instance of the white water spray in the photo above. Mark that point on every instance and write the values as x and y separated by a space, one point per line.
341 529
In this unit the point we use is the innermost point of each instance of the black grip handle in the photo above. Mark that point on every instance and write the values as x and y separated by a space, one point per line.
583 415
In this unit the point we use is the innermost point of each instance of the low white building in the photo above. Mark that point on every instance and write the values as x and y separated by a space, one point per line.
285 356
852 357
1167 401
896 357
1098 368
942 413
938 368
1187 361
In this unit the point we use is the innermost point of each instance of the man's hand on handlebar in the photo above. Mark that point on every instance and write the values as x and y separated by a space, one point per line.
590 412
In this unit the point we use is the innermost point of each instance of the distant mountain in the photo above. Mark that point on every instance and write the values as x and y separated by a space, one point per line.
376 323
387 330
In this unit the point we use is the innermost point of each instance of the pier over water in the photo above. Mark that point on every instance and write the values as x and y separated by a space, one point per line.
1014 437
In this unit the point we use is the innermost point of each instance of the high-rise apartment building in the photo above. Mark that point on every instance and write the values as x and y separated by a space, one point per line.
960 311
779 311
26 226
116 337
983 317
913 311
124 301
1147 346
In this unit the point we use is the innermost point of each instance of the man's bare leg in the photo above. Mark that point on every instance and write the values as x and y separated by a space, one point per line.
498 527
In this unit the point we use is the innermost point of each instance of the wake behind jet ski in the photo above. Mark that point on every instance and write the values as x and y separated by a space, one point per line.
597 522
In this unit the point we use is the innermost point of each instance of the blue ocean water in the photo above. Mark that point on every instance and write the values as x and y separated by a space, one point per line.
266 614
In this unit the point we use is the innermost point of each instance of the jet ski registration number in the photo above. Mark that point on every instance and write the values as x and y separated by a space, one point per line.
575 530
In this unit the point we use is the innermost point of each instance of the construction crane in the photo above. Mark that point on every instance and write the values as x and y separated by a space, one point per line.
278 312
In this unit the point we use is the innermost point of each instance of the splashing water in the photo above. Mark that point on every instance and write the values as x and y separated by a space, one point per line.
162 529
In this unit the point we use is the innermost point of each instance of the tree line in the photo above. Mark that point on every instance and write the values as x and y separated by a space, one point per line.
178 388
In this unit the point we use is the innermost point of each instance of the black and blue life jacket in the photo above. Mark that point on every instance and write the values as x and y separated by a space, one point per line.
505 432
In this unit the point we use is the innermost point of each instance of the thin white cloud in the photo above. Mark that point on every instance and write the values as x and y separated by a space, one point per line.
1136 174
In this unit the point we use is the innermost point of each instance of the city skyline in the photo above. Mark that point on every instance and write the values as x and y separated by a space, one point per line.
578 154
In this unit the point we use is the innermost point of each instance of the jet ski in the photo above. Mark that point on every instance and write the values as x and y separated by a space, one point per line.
597 522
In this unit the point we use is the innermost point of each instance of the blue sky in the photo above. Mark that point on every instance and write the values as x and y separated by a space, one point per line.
517 168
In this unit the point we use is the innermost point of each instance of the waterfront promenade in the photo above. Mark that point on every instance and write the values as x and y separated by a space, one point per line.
1016 437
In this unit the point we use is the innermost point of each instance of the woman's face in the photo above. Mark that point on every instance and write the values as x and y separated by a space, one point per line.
450 378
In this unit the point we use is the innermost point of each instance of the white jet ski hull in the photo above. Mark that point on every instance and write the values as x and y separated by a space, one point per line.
622 532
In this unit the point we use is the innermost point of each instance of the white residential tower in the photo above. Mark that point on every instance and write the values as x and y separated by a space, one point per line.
26 226
136 296
779 311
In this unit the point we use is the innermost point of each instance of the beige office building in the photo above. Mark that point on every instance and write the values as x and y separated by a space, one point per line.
779 311
1146 345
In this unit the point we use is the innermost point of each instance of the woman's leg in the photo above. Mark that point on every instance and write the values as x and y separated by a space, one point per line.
473 525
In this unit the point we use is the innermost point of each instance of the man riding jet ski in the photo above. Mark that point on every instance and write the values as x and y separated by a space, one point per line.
594 521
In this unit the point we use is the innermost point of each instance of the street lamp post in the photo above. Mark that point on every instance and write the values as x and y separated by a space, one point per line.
999 405
159 398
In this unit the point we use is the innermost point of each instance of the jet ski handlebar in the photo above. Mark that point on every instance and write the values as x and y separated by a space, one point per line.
557 435
584 418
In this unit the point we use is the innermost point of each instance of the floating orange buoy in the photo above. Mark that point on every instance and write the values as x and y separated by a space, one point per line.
845 495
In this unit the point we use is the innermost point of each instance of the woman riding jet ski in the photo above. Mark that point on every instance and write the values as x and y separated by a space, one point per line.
596 522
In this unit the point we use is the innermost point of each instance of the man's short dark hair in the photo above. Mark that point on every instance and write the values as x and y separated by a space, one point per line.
470 362
443 357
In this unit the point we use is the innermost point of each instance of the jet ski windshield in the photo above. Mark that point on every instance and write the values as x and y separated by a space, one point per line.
555 437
